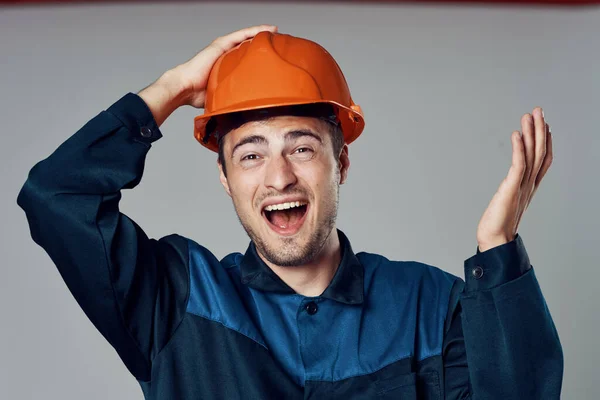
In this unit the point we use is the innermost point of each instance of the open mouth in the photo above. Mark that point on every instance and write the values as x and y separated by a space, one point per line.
286 218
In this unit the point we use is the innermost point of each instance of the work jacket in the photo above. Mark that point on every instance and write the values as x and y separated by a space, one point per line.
190 326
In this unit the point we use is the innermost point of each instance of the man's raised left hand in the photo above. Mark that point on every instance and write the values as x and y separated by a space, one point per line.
531 158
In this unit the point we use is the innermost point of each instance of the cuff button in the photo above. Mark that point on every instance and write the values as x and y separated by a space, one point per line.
477 272
146 132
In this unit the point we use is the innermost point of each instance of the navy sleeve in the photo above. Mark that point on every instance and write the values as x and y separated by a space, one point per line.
500 341
131 287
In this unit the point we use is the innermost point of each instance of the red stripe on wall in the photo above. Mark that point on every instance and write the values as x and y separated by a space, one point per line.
488 2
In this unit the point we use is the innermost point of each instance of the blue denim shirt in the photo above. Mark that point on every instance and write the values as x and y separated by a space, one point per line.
190 326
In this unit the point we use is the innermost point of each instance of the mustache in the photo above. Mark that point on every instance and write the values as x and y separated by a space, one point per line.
293 191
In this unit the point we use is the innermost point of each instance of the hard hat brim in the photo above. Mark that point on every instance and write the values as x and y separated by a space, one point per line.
351 118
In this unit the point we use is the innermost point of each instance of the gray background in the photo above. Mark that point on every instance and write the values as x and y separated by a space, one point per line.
442 87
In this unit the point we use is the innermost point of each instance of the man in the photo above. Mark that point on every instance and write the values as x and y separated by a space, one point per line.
299 315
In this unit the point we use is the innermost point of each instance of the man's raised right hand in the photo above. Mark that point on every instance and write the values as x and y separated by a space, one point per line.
186 83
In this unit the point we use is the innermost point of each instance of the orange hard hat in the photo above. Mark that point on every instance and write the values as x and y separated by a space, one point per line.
274 70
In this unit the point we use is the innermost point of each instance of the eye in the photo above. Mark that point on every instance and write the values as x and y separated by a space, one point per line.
303 150
303 153
250 160
250 157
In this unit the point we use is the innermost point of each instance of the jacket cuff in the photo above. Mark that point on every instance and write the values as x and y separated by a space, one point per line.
496 266
135 115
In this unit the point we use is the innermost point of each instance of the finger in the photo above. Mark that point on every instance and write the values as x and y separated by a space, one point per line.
540 142
528 145
547 160
544 168
230 40
529 141
517 168
222 44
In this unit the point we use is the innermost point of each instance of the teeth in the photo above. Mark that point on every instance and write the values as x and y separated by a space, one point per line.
285 206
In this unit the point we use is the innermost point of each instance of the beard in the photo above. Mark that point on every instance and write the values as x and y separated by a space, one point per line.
293 251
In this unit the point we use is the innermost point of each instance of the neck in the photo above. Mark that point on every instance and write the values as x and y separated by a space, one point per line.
313 278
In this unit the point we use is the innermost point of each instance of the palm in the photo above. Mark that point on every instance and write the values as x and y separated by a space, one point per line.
532 156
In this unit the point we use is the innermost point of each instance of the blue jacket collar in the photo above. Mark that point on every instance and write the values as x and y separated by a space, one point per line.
345 287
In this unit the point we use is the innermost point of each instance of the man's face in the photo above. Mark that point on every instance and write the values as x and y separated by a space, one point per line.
283 179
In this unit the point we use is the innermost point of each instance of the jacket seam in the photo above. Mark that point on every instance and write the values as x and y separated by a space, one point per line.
120 311
374 371
209 318
184 308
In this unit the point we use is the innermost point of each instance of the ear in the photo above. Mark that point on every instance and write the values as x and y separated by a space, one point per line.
344 164
223 179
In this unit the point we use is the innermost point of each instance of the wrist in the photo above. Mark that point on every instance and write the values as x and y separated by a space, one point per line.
165 95
489 243
177 87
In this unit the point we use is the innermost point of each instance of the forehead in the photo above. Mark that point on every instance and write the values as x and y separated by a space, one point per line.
275 129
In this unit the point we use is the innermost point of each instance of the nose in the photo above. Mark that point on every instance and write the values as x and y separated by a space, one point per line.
280 174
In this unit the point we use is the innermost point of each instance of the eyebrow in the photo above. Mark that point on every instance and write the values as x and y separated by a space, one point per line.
289 136
298 133
254 139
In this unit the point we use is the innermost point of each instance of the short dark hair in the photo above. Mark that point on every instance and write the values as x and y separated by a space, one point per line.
222 125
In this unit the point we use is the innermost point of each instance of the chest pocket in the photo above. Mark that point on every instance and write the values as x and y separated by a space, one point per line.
411 386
